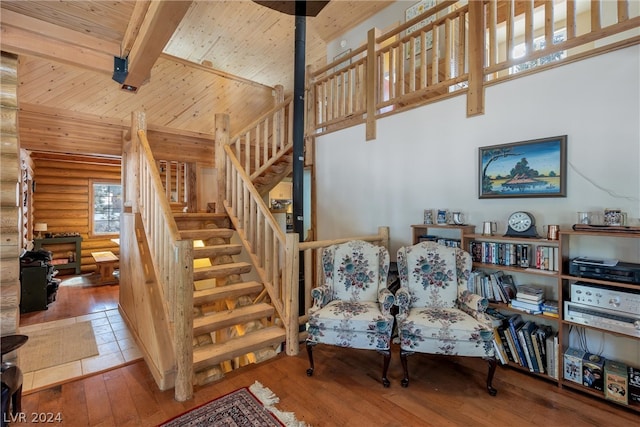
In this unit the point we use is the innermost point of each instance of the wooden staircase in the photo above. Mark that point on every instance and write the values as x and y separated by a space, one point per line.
274 173
232 325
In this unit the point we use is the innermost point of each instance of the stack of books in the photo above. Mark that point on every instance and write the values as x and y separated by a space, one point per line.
550 308
529 299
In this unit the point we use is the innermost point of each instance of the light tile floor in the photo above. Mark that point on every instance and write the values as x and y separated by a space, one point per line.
116 347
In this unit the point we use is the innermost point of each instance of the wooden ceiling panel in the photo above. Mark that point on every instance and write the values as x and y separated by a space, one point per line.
177 96
107 20
65 47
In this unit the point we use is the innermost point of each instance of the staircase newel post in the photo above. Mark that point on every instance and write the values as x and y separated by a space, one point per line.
222 139
291 301
131 175
183 316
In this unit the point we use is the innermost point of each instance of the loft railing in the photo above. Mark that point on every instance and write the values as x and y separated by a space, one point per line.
178 179
459 47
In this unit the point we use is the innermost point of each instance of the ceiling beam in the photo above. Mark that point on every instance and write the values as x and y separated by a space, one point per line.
133 28
24 35
159 24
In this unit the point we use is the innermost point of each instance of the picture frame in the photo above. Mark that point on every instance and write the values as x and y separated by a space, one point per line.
534 168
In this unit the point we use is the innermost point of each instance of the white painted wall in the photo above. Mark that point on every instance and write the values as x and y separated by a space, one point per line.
428 157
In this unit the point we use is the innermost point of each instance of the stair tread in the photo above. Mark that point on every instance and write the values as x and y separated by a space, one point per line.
221 270
228 291
199 215
217 250
205 233
224 319
215 353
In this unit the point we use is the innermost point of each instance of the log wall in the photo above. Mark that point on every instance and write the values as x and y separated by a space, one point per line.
9 178
62 200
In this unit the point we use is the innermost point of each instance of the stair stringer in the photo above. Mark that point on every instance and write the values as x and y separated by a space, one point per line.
142 305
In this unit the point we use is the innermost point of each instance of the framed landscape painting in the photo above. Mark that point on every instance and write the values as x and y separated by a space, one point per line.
536 168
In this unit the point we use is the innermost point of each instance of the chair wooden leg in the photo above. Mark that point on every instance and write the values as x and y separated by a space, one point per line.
16 401
405 368
385 367
310 354
492 369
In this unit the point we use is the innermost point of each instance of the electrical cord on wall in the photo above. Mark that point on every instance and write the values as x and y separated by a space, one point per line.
612 193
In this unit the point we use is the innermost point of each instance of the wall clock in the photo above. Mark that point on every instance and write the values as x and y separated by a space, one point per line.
521 224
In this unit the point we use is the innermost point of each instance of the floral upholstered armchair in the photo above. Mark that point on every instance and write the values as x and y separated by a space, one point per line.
436 312
352 308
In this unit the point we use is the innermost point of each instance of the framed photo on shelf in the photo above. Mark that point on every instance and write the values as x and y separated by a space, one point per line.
535 168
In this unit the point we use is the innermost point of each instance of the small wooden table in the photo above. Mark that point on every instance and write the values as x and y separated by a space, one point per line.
106 262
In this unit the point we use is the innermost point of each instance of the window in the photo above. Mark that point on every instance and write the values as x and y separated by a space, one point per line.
106 207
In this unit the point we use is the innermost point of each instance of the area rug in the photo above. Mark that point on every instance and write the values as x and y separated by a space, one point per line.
57 346
245 407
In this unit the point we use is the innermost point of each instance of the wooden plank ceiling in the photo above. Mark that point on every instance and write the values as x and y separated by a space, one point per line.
223 57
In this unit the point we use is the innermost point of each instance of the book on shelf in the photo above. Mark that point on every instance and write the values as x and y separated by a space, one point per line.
550 308
547 258
498 291
529 307
527 331
509 286
537 350
535 299
515 323
500 352
505 343
499 346
552 348
512 346
531 290
541 335
524 335
501 253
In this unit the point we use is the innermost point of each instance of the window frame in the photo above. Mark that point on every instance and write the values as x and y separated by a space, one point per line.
92 184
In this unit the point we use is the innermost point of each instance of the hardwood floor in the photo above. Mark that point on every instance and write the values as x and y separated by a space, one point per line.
77 296
345 390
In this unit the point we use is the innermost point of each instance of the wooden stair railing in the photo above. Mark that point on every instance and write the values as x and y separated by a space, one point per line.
264 241
264 148
173 263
